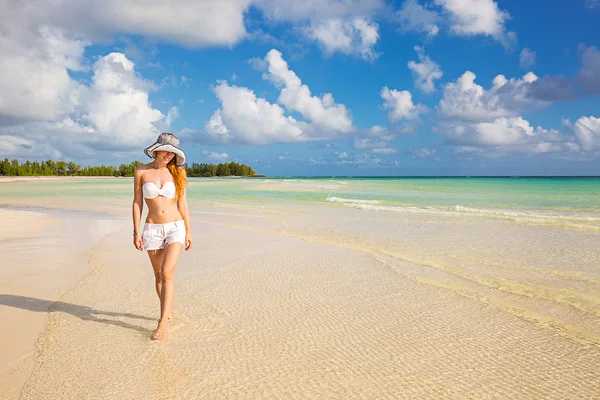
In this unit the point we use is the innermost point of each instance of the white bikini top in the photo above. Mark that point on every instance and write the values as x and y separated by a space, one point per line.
151 191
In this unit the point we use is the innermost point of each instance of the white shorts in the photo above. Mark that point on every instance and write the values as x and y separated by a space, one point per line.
156 236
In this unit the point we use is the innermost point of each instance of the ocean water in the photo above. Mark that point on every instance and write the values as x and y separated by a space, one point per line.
549 195
568 201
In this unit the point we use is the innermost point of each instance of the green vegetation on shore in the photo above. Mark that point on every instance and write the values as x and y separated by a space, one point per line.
63 168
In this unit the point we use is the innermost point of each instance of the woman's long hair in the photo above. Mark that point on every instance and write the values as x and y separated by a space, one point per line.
179 178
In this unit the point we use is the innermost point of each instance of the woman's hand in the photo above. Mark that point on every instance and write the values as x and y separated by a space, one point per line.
137 242
188 241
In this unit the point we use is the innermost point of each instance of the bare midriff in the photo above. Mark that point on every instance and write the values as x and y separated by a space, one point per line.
162 210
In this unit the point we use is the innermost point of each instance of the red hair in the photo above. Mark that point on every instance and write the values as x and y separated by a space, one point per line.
179 178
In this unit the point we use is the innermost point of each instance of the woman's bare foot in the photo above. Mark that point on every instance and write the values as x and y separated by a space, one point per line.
162 330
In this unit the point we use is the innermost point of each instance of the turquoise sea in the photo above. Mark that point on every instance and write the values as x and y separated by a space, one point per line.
574 201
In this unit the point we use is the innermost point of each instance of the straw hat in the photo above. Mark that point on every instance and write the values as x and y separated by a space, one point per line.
167 142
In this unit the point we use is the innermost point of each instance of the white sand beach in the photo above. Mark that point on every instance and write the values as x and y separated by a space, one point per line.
265 308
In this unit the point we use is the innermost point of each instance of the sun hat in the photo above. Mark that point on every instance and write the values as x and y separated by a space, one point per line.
167 142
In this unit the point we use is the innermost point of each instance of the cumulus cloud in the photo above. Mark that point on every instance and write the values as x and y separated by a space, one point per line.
188 22
323 111
354 36
400 105
462 18
19 147
112 113
414 17
466 100
478 17
35 83
491 120
246 118
43 43
587 132
116 106
425 72
585 83
527 58
504 136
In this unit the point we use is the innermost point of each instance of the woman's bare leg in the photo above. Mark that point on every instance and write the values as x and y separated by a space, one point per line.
156 258
172 252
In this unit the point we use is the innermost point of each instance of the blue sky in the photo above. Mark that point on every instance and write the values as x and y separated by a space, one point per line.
327 87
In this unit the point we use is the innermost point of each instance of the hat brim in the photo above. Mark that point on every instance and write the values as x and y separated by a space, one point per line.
179 154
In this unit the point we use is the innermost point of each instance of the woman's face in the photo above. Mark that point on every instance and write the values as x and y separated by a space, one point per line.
164 156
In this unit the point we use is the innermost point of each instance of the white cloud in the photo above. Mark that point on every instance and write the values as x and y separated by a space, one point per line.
424 72
247 119
592 3
116 106
414 17
503 131
466 100
400 104
112 113
172 114
35 82
323 112
478 17
463 17
215 156
527 58
354 36
188 22
22 148
587 132
504 136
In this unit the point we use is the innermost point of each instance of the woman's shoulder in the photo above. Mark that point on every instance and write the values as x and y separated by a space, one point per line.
141 170
143 167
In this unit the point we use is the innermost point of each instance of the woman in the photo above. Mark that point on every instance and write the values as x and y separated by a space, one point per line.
167 230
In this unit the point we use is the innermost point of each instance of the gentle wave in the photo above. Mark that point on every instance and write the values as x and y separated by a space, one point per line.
578 221
352 201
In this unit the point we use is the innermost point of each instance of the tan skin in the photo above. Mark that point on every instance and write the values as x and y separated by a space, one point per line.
161 210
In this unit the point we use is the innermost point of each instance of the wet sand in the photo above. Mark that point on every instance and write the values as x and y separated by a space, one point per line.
44 254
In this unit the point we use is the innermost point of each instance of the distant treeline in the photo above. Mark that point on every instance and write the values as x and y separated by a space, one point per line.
63 168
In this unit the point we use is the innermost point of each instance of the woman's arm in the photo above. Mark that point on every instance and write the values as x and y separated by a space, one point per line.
182 205
137 207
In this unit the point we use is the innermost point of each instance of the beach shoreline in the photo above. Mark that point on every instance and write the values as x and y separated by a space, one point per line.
300 299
